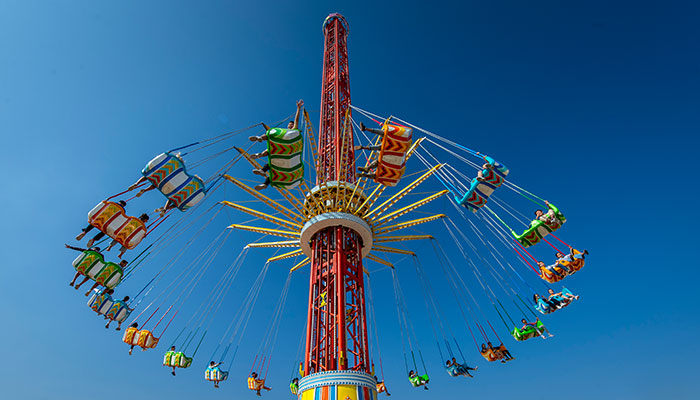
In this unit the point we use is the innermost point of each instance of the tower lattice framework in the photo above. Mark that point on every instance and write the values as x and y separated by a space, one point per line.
336 335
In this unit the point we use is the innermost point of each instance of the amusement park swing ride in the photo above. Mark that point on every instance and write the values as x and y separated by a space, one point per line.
334 224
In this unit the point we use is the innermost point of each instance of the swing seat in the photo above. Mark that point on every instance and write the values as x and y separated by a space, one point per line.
455 370
168 174
548 275
563 300
100 302
110 218
176 359
142 338
529 332
91 264
392 155
255 384
539 229
381 387
215 374
285 148
491 355
545 308
419 380
479 191
103 304
575 264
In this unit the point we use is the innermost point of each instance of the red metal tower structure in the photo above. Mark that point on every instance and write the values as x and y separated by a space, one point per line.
336 335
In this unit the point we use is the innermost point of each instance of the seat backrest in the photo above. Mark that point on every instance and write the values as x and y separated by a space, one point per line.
285 148
110 218
169 175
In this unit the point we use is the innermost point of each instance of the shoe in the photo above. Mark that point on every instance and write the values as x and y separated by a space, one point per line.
503 361
254 139
118 328
363 127
475 368
584 252
173 373
90 243
261 186
80 236
130 350
363 169
260 172
70 284
356 149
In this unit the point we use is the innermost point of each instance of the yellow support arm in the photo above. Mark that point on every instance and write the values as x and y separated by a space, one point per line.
266 231
392 250
284 192
408 224
285 256
386 239
312 139
403 192
343 150
303 262
376 259
269 218
413 148
403 211
369 201
275 205
317 208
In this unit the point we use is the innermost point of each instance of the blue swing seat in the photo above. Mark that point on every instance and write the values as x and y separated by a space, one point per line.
479 191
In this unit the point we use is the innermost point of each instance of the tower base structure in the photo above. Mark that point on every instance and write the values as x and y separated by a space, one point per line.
338 385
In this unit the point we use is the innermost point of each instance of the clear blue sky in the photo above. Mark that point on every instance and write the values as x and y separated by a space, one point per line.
594 106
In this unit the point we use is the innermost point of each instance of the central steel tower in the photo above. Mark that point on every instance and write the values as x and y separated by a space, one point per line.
337 356
336 335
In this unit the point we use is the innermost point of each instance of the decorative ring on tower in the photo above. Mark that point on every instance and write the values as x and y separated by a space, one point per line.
325 220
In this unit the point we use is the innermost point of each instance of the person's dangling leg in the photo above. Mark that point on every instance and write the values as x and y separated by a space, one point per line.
91 289
263 185
263 153
77 274
81 283
114 243
370 167
84 231
371 148
372 130
262 171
